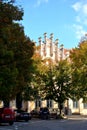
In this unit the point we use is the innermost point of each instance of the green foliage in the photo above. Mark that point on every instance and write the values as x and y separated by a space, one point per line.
79 69
39 69
9 13
16 51
58 82
30 92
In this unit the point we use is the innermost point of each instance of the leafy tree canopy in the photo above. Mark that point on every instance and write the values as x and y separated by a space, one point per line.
16 50
57 82
9 13
79 67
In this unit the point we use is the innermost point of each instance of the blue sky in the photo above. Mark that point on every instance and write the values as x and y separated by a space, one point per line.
66 19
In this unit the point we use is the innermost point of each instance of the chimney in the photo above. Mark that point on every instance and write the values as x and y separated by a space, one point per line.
45 37
56 50
61 46
62 51
56 42
51 37
39 40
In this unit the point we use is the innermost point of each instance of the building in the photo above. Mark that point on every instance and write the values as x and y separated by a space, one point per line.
50 49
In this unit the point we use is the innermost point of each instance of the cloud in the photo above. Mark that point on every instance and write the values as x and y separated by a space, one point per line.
81 10
39 2
85 9
79 30
80 7
80 25
77 6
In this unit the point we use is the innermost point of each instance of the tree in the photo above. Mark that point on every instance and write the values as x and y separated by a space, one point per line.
39 69
9 13
16 50
58 83
79 67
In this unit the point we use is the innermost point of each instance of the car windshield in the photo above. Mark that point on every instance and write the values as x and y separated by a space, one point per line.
19 111
43 109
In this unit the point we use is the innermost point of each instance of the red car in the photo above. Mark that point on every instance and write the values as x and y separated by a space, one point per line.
7 115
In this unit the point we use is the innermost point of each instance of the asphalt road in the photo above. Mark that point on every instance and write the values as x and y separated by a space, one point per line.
65 124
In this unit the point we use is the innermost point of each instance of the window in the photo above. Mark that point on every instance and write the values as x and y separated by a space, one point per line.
85 105
75 104
49 103
37 103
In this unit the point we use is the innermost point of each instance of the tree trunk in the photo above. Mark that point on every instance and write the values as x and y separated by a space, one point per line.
60 108
19 101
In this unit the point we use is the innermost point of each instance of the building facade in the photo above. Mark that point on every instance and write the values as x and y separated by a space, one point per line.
50 49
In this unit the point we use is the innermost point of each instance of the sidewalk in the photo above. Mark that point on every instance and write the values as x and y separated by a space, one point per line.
76 116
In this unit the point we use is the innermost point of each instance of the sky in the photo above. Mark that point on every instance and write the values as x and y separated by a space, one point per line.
66 19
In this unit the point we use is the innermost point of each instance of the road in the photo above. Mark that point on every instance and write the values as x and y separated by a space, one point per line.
65 124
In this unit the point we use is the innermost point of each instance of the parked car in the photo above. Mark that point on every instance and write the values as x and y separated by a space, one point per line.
44 113
54 113
22 115
35 113
7 115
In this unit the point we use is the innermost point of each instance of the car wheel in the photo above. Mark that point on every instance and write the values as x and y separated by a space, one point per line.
47 117
11 123
27 120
